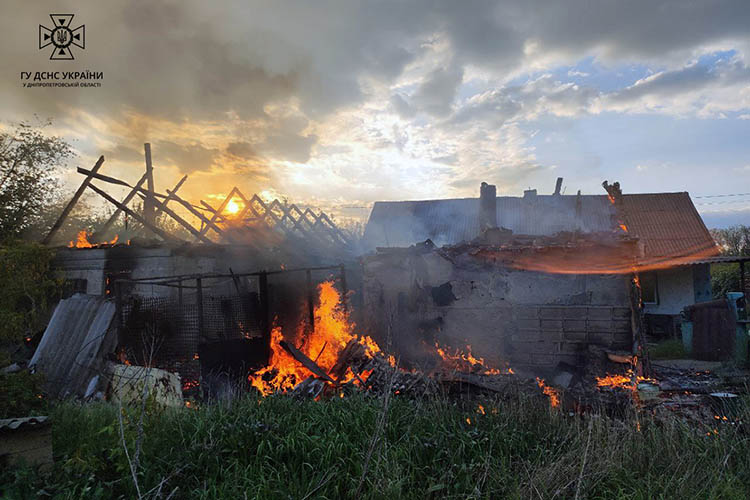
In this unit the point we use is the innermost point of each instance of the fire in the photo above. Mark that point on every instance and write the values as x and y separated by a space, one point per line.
465 361
550 392
333 331
621 381
82 241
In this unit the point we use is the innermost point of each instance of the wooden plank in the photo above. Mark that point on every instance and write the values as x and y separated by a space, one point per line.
66 211
149 205
159 232
99 235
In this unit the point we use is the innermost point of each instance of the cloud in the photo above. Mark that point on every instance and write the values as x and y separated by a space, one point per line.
187 158
429 95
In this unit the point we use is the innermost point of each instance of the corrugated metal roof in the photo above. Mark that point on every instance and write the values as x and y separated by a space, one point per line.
445 222
11 424
667 224
72 347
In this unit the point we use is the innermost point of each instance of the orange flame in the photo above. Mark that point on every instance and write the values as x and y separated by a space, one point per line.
466 361
82 241
550 392
333 331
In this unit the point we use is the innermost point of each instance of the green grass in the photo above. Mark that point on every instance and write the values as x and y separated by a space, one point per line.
668 349
284 448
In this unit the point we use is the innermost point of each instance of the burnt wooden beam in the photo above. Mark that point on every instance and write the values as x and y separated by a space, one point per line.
305 361
162 206
158 231
66 211
170 196
99 235
189 207
221 207
149 210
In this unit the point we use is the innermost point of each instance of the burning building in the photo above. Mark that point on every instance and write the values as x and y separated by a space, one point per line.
532 280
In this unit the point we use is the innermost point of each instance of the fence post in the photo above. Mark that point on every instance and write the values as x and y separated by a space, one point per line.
310 300
199 303
265 324
344 288
118 310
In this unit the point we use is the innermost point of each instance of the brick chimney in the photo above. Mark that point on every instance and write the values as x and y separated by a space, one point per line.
487 206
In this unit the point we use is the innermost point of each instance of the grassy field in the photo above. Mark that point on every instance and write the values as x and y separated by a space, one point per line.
279 447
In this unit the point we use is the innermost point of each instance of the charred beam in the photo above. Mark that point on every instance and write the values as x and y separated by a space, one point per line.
159 232
66 211
99 235
305 361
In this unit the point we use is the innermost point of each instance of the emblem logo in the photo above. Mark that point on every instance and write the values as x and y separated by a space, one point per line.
61 37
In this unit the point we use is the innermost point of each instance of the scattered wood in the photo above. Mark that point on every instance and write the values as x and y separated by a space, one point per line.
306 362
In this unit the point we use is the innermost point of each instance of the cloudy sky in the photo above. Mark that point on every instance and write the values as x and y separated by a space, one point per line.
342 103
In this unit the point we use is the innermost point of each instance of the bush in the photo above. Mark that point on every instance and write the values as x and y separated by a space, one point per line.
29 287
22 395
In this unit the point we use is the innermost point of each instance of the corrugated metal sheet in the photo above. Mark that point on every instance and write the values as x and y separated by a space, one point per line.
668 225
445 222
11 424
71 351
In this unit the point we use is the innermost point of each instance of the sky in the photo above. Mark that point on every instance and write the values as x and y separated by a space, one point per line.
338 104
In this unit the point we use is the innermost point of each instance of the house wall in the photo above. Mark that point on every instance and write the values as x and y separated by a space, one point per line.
679 287
522 317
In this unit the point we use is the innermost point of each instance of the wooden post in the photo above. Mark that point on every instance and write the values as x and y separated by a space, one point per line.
742 279
310 300
199 304
265 310
66 211
119 300
103 230
344 288
164 235
148 206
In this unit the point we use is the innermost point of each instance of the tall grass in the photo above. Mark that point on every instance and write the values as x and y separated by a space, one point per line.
280 447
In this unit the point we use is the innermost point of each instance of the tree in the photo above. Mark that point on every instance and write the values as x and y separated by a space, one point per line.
29 162
734 241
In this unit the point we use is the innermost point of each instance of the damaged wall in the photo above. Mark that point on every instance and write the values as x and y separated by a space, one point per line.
504 314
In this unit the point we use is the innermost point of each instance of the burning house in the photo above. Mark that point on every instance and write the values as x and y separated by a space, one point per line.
533 280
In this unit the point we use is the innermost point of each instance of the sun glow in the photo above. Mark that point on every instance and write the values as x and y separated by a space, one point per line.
232 207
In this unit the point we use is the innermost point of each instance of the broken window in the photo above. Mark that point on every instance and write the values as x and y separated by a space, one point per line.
649 289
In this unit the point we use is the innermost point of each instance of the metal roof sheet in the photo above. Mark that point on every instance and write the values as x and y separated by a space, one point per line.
71 351
11 424
403 223
667 224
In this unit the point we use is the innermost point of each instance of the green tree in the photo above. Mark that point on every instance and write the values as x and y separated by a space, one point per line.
734 241
29 286
29 164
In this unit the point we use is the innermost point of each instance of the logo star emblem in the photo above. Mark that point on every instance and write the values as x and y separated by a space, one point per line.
61 37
